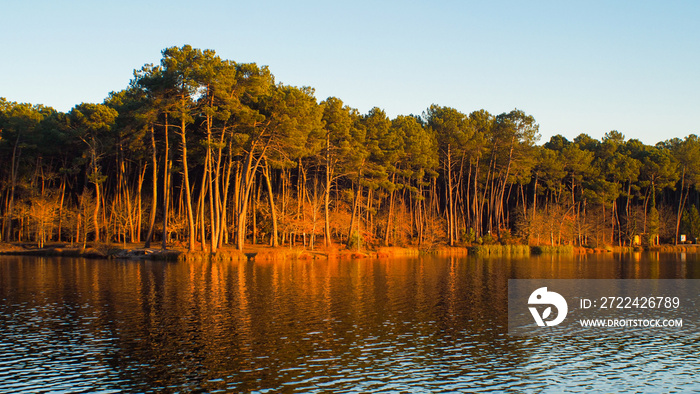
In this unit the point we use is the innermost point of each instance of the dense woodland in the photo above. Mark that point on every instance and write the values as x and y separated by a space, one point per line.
203 152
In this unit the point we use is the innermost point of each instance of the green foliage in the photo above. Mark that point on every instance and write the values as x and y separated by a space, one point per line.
516 125
467 235
690 223
653 226
355 241
687 153
505 238
294 123
488 239
450 127
550 169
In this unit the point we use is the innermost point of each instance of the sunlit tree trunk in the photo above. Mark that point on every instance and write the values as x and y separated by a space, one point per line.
327 194
166 184
14 163
450 200
186 180
247 179
390 213
154 190
273 211
353 216
681 202
224 211
98 194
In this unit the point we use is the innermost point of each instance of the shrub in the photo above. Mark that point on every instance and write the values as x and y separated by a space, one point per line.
354 241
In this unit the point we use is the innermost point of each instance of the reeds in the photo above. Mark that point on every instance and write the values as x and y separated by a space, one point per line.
500 250
547 249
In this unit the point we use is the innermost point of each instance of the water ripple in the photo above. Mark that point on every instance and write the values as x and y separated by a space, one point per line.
429 325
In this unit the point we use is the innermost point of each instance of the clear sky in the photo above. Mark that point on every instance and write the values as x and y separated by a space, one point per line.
577 67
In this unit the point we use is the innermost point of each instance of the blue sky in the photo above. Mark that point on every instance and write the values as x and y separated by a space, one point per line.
577 67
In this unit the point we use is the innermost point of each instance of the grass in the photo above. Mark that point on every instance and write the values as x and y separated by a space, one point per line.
266 253
546 249
500 250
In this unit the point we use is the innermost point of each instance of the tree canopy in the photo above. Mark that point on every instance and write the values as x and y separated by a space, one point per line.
206 152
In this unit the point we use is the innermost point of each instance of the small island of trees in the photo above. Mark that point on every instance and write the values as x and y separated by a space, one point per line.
204 152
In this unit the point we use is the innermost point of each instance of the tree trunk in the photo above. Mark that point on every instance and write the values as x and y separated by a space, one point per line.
476 221
13 182
60 208
200 211
139 211
243 203
273 210
227 182
389 216
212 209
96 212
450 201
167 166
154 191
680 208
186 181
248 178
499 217
354 215
327 194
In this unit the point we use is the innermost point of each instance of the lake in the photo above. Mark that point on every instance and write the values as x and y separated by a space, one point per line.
424 324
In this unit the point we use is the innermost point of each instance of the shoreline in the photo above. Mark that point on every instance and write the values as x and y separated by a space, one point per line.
267 253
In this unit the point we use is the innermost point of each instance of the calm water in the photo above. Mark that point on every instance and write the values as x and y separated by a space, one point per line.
418 325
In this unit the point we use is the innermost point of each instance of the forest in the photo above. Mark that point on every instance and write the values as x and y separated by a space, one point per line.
202 153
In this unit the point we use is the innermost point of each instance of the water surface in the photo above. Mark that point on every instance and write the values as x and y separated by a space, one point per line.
419 325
